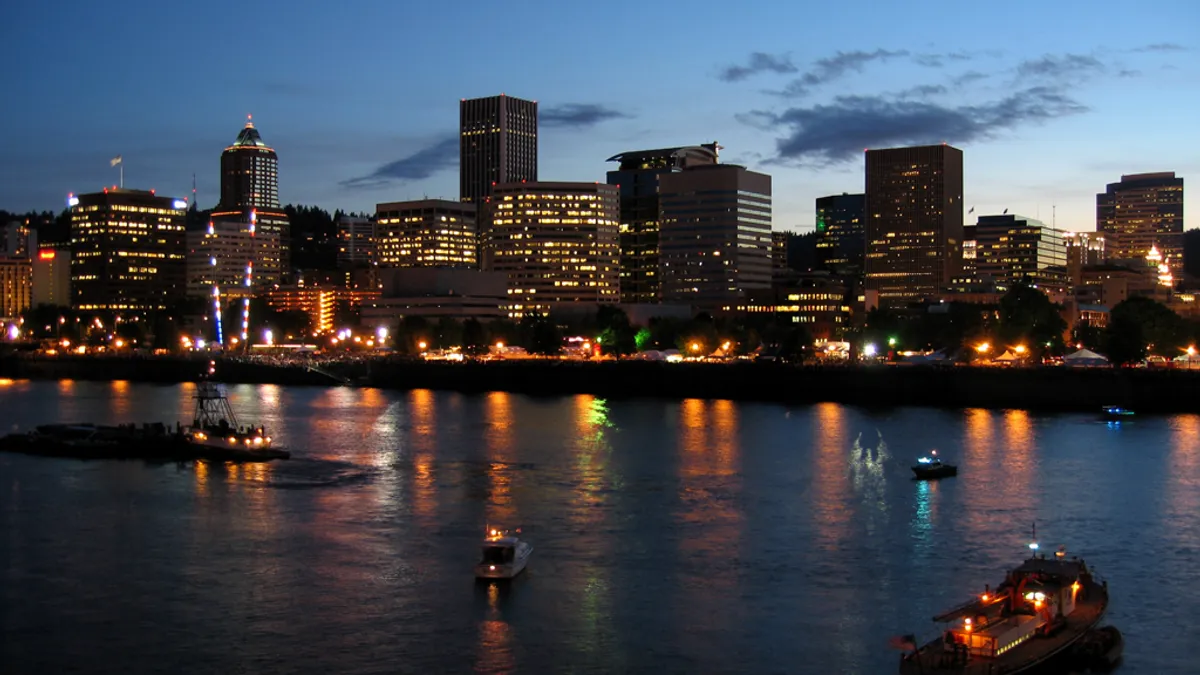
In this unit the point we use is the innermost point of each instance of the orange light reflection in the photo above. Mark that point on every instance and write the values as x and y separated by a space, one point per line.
830 482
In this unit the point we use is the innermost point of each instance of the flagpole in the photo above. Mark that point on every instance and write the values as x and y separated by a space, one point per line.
122 165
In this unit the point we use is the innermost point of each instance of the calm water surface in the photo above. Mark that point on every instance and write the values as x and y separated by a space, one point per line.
674 537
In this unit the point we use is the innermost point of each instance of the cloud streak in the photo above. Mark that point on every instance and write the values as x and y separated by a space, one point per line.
577 115
432 159
759 62
838 131
1162 47
835 67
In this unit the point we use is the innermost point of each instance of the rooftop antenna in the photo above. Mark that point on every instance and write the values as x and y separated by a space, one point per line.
194 190
1033 545
1054 216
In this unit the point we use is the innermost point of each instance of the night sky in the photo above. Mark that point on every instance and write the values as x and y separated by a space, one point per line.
1049 100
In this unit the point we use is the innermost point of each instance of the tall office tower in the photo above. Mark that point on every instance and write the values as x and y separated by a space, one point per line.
17 240
841 239
914 228
497 144
637 176
356 241
557 242
127 250
1141 211
250 194
715 236
1011 248
426 233
779 254
224 255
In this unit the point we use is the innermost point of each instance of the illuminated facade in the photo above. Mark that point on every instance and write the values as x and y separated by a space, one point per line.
220 255
914 221
127 250
1012 248
250 194
816 302
638 177
16 281
715 236
841 237
356 241
498 143
557 242
320 304
1141 211
426 233
52 277
779 254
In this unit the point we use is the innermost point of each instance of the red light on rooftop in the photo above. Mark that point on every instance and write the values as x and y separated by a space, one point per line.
47 254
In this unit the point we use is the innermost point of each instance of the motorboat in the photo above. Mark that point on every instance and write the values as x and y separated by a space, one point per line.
1042 618
504 555
932 467
1116 413
216 429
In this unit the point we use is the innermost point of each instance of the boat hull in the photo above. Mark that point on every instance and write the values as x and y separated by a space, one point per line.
105 443
934 473
508 570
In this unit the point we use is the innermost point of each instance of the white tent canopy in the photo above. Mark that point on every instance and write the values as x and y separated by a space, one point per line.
1084 355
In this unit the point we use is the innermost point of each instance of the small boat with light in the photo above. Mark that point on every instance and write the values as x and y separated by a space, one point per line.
216 430
504 555
932 468
1115 413
1031 623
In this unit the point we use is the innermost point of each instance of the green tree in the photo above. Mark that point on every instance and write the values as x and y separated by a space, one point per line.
1027 316
540 335
616 335
1139 326
448 333
474 337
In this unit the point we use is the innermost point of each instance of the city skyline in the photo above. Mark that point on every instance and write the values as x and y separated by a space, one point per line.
1044 129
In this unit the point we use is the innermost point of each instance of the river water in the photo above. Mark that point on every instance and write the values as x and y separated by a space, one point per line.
690 536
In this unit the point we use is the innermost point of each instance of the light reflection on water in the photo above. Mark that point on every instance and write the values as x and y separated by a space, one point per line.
698 536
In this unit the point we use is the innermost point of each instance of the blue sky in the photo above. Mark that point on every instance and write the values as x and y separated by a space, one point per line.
1049 100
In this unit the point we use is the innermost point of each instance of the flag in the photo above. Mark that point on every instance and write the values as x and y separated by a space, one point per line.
903 642
1006 210
971 211
114 161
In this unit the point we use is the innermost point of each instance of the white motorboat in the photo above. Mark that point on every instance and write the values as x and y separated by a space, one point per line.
504 555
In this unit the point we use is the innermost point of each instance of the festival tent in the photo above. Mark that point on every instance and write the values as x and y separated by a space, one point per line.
1007 357
1085 357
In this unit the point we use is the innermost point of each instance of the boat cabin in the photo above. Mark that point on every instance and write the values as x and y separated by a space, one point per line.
1034 599
499 551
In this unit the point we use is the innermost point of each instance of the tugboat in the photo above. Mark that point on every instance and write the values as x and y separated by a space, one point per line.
1031 623
932 468
215 428
504 555
1115 413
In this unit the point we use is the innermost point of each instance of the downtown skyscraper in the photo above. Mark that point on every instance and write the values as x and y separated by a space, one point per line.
250 198
914 221
1142 211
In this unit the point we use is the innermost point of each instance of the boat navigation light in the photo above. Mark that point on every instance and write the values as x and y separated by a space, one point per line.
967 624
984 597
1033 546
492 568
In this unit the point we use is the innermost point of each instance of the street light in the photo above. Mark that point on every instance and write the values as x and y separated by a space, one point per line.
1020 349
891 342
421 345
982 347
695 346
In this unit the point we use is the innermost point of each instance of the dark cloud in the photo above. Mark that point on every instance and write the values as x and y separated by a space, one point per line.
1129 73
441 155
577 115
922 91
968 77
1057 66
835 67
939 60
759 62
838 131
1162 47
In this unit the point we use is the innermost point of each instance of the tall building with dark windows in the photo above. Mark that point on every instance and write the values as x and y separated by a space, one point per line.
127 250
914 221
638 175
1142 211
557 242
841 237
715 235
498 143
250 195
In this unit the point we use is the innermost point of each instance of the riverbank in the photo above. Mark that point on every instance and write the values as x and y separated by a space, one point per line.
1065 389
